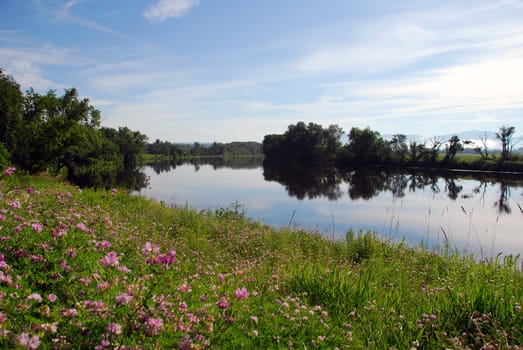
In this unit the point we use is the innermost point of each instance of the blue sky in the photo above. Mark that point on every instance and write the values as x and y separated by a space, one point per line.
236 70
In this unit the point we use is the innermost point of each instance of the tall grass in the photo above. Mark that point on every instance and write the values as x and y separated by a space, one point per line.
108 270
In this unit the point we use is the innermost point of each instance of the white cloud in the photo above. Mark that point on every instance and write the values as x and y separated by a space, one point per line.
165 9
26 64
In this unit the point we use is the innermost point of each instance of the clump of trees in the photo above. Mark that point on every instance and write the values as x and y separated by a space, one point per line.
310 144
47 132
304 143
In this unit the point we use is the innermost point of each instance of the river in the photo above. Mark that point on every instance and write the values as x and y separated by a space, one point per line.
480 215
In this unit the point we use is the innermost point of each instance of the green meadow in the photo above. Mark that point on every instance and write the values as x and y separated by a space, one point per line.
103 269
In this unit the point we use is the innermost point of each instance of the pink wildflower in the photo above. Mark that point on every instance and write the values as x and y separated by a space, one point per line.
150 248
185 287
31 343
9 171
52 297
15 204
222 303
123 299
70 313
81 226
153 325
37 227
111 259
185 342
241 294
114 328
35 296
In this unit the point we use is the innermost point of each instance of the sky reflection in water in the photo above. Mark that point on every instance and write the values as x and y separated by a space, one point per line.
472 221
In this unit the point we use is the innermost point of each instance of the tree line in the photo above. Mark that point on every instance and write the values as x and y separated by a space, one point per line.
311 143
63 134
176 151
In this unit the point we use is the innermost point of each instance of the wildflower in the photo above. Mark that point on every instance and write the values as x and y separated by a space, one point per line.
111 259
254 319
114 328
29 342
124 269
81 226
222 303
153 325
15 204
29 190
52 297
185 287
103 245
9 171
182 307
241 294
104 344
37 227
3 264
34 296
123 299
185 342
70 313
221 278
151 248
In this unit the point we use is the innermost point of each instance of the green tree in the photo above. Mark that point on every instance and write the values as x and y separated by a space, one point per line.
304 143
435 144
454 146
399 146
505 136
367 147
11 108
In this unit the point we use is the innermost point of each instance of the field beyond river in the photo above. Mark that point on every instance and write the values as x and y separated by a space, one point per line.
97 269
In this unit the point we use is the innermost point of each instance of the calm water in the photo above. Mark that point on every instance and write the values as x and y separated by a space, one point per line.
481 215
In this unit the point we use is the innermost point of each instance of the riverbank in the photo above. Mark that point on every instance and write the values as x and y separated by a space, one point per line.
84 268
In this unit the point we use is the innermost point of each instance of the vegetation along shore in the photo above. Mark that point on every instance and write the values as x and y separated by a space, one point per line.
104 269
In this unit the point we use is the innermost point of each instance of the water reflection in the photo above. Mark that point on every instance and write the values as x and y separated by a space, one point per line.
365 183
479 213
215 162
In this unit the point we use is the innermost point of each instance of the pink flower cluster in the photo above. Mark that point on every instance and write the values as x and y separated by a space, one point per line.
153 258
9 171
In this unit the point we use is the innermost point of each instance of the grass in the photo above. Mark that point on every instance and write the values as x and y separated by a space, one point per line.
108 270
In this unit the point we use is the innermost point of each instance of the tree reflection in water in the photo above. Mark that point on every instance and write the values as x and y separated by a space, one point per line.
366 183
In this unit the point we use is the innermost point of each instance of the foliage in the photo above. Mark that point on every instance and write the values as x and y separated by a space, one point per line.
104 270
304 143
367 147
299 145
454 146
54 133
5 157
505 136
173 152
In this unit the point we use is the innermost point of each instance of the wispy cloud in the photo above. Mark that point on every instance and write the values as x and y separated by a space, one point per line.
165 9
64 13
25 64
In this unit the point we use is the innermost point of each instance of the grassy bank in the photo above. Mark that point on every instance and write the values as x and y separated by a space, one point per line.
106 270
